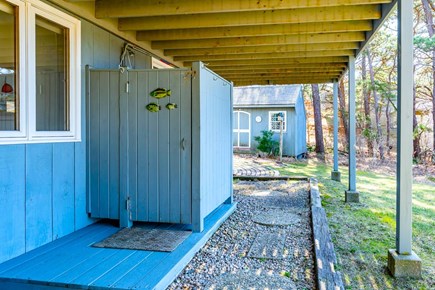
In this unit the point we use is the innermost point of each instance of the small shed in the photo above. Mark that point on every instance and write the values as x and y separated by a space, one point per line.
256 108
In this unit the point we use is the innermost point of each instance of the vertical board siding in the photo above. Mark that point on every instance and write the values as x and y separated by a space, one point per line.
185 109
103 140
154 169
43 186
163 81
159 179
133 141
215 141
12 201
174 152
295 127
301 146
142 194
93 141
63 189
113 144
289 138
153 158
39 200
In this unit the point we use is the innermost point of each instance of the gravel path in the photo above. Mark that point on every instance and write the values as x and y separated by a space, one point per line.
223 263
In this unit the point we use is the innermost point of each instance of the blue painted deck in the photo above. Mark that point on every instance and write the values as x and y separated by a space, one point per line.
71 262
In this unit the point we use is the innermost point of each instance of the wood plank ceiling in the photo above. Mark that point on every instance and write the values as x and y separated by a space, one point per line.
252 42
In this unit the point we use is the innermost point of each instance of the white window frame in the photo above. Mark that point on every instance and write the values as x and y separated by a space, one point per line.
284 120
28 9
20 134
238 130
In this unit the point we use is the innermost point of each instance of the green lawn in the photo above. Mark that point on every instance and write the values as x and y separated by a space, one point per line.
363 233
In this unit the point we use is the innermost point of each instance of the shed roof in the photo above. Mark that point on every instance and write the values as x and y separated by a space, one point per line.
266 96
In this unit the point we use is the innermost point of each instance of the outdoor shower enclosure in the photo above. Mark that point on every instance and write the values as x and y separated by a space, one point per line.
171 166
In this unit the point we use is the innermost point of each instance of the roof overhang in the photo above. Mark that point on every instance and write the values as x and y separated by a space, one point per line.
247 42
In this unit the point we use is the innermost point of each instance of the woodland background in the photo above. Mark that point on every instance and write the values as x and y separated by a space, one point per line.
376 75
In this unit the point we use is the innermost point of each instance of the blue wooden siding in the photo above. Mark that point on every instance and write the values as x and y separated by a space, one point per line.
212 142
301 137
256 128
294 139
43 186
103 143
135 154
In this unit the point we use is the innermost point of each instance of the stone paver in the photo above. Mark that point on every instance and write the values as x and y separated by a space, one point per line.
248 167
268 246
276 217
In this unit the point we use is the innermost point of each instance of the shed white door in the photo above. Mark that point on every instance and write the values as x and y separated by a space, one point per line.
241 129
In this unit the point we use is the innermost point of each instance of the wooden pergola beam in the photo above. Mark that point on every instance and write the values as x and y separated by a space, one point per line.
271 71
280 75
255 66
304 15
263 49
255 56
270 62
261 40
263 30
138 8
238 82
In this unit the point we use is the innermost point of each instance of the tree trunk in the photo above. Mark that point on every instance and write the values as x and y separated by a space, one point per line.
387 115
430 29
376 103
343 112
320 147
368 120
416 138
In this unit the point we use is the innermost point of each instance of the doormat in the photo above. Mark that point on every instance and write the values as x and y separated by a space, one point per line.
144 239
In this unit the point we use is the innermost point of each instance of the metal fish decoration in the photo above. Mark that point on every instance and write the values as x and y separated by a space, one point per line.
171 106
153 107
160 93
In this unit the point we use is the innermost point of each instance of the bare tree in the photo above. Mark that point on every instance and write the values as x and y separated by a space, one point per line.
376 104
343 112
366 96
428 7
320 146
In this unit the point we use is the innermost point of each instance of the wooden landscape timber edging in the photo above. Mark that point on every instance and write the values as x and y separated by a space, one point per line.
326 260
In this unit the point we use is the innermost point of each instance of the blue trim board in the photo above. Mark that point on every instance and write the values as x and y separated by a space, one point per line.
71 262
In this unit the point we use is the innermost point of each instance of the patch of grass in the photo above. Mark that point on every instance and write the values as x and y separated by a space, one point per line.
362 233
431 178
286 274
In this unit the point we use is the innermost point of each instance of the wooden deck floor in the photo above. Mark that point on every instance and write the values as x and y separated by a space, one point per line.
71 262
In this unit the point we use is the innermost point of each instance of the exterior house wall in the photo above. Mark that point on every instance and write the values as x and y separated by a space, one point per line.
288 137
43 186
212 176
301 129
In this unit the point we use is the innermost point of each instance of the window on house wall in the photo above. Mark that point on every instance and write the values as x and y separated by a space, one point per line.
47 41
9 70
52 76
275 121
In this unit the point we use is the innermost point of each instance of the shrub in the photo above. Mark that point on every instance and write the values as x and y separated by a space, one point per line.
266 144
